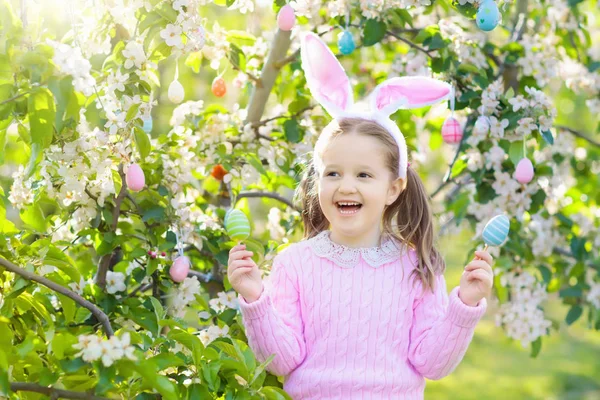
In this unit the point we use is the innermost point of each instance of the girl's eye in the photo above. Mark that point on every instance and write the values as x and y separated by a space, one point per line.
364 173
329 173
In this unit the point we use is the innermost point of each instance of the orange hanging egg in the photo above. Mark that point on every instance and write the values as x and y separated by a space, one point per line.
218 87
218 172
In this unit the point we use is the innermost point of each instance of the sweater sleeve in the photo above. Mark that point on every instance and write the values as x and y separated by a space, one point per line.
273 322
442 330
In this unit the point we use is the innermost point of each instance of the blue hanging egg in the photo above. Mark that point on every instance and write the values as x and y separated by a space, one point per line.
147 125
346 42
488 15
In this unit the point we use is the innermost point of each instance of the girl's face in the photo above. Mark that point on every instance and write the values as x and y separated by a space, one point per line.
355 186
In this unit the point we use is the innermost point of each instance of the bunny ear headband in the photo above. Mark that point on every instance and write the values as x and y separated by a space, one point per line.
330 86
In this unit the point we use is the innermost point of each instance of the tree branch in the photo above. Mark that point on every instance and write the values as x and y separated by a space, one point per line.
14 98
297 113
408 42
105 261
98 313
269 195
52 392
260 95
579 135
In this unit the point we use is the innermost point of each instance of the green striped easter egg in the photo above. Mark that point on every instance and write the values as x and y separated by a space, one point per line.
237 224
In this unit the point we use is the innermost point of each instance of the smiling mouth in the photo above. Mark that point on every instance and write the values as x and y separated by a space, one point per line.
348 208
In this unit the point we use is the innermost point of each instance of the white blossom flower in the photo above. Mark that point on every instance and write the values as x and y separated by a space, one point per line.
134 54
526 126
519 102
90 346
115 282
172 35
497 127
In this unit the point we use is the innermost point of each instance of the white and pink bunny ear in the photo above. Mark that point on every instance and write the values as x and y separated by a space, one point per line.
409 92
325 76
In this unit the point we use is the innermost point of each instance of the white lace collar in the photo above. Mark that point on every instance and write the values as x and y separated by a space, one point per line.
348 257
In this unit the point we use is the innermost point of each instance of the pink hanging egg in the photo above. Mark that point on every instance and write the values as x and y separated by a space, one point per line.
135 178
451 131
286 18
180 268
524 171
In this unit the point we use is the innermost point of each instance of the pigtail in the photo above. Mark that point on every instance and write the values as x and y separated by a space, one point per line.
313 219
414 220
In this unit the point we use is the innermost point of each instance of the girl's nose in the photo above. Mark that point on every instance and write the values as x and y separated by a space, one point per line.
347 186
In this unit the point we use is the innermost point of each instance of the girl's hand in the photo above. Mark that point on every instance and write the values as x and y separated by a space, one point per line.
477 279
243 273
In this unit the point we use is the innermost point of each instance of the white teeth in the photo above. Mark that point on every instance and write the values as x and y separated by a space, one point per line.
349 204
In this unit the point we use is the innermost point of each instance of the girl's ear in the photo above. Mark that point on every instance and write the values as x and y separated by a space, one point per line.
396 188
325 76
409 92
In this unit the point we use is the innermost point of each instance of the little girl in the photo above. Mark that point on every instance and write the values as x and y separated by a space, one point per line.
359 308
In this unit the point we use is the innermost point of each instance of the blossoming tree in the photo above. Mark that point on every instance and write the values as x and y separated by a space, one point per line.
101 192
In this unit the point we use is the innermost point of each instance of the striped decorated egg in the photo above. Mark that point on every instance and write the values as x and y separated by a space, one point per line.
451 131
496 230
237 224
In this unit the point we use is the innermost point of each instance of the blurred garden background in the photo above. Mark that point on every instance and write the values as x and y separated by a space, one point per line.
89 88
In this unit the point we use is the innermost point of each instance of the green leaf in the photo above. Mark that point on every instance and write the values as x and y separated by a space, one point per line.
194 61
190 341
132 112
69 308
536 346
547 135
510 93
158 311
241 38
198 391
261 368
34 158
237 57
34 217
373 32
150 19
41 111
143 142
292 130
516 152
62 344
148 370
274 393
574 314
210 372
256 163
155 213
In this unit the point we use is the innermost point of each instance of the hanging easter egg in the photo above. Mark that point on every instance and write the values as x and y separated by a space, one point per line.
496 230
147 127
524 171
488 15
176 92
180 268
346 42
482 125
451 131
135 178
218 172
286 18
218 87
237 224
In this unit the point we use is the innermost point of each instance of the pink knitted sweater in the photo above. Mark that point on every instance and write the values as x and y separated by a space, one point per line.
348 323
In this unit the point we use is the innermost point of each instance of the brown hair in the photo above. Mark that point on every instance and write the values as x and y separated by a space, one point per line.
408 219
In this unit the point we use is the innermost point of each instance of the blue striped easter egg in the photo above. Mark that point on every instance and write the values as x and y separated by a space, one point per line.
496 230
237 224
